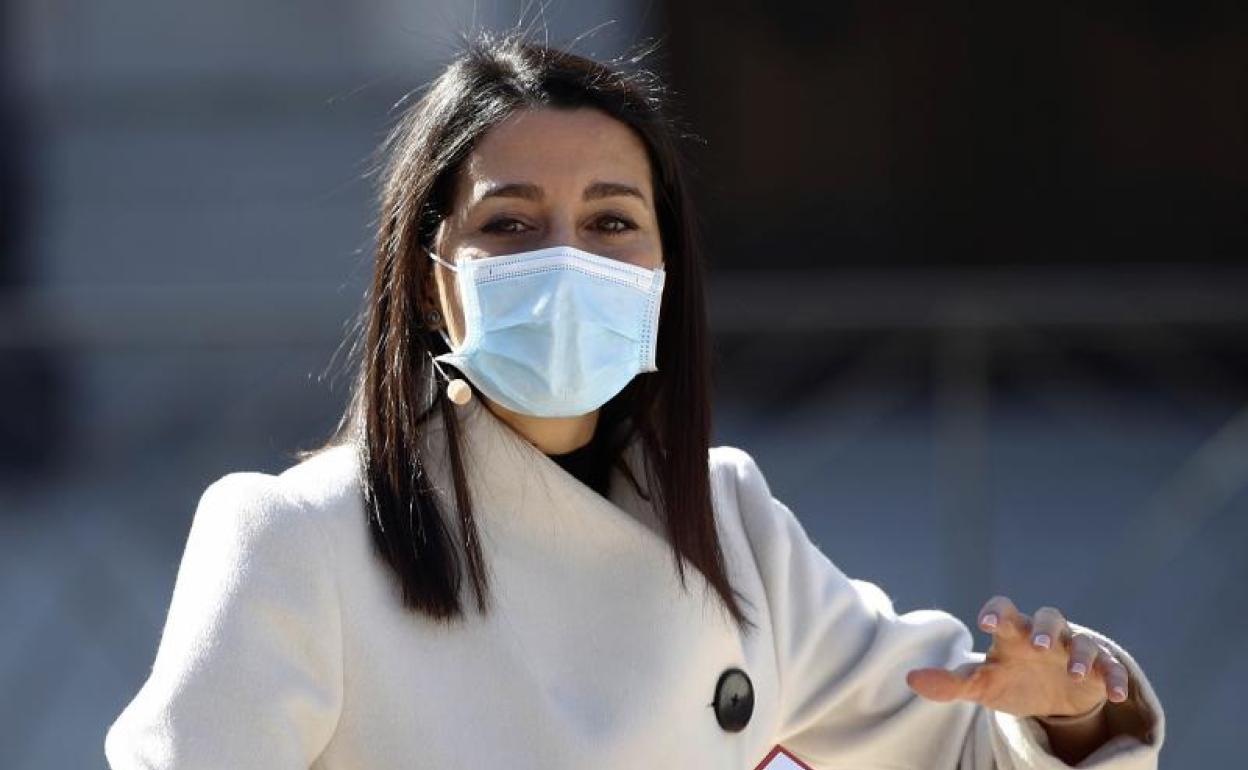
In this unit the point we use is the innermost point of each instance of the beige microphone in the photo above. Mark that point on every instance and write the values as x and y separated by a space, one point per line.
458 391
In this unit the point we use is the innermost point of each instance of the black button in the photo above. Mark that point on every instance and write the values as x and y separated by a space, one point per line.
734 700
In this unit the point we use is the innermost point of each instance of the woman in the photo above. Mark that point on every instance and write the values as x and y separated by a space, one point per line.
531 417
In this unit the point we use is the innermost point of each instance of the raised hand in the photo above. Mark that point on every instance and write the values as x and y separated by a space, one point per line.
1036 666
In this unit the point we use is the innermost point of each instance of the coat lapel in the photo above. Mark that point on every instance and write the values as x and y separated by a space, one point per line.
517 488
589 627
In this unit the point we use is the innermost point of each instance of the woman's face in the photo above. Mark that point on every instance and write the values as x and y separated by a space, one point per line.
548 177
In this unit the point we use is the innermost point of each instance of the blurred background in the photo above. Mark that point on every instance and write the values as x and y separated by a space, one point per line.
978 290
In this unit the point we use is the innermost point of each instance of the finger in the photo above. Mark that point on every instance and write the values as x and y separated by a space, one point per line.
1000 617
941 684
1049 629
1114 673
1083 654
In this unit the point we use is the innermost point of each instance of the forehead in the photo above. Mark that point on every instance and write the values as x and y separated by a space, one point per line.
558 149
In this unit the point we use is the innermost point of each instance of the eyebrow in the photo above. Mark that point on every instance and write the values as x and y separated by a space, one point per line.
532 192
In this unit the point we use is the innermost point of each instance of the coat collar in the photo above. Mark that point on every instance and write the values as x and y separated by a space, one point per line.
517 487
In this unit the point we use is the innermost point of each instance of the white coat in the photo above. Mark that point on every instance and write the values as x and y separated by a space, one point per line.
285 645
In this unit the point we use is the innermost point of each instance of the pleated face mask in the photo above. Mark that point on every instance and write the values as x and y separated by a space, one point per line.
554 332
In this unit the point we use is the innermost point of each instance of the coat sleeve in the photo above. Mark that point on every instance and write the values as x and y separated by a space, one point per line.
843 652
248 670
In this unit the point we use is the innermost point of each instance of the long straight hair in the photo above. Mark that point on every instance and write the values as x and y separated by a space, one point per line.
395 390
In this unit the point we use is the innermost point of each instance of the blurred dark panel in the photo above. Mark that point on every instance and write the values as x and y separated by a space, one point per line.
31 418
846 133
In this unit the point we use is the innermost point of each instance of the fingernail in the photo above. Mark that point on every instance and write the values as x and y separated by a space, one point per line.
1078 669
989 621
1041 640
1119 693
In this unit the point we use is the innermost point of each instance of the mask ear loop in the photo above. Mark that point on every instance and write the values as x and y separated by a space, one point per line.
457 390
436 258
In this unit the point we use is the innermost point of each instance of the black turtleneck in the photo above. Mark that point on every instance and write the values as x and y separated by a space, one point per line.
587 463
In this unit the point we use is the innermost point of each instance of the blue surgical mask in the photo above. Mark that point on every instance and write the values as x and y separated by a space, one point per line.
554 332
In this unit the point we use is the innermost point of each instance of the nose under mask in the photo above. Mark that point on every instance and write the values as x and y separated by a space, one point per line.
554 332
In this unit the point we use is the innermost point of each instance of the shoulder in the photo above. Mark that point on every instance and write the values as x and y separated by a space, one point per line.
737 474
725 456
745 498
253 511
323 481
742 495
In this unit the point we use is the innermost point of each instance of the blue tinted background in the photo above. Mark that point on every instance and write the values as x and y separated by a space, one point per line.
977 288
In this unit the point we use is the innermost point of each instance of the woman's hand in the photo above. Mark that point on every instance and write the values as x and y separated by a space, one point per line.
1036 666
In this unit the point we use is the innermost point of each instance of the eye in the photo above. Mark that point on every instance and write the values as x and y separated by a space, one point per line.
624 224
501 225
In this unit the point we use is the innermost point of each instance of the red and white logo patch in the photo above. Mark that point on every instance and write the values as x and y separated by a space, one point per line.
779 758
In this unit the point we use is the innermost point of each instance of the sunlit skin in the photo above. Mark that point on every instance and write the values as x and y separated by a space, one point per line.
562 156
1035 666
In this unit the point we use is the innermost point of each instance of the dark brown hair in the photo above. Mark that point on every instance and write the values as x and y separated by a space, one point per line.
395 390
